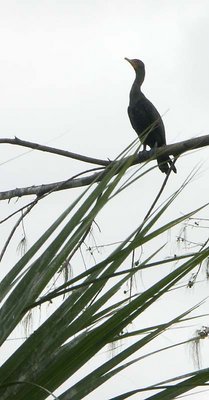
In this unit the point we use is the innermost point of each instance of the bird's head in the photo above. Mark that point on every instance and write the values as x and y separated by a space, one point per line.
139 68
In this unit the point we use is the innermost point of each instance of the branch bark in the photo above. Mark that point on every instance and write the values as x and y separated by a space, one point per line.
175 149
36 146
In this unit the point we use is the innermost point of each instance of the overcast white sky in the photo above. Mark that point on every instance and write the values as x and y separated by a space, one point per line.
64 82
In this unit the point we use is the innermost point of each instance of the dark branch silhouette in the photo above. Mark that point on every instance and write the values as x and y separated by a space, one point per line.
175 150
48 149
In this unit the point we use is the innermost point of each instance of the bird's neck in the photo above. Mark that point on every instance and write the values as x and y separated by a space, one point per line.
136 93
140 75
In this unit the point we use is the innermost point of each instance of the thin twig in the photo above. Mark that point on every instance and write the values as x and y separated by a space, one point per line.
46 194
29 208
158 195
15 227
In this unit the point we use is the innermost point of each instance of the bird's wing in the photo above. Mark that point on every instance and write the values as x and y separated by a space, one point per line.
155 119
143 115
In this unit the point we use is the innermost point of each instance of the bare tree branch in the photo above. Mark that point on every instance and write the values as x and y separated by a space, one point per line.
53 150
175 149
45 188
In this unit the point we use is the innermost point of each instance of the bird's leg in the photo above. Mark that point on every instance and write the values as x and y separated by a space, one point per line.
153 149
144 153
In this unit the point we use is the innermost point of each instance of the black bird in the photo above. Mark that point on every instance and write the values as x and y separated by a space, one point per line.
145 119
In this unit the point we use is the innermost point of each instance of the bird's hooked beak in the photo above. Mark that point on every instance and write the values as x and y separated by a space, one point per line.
131 62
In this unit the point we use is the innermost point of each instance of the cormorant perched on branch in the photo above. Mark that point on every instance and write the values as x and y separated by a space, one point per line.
145 119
